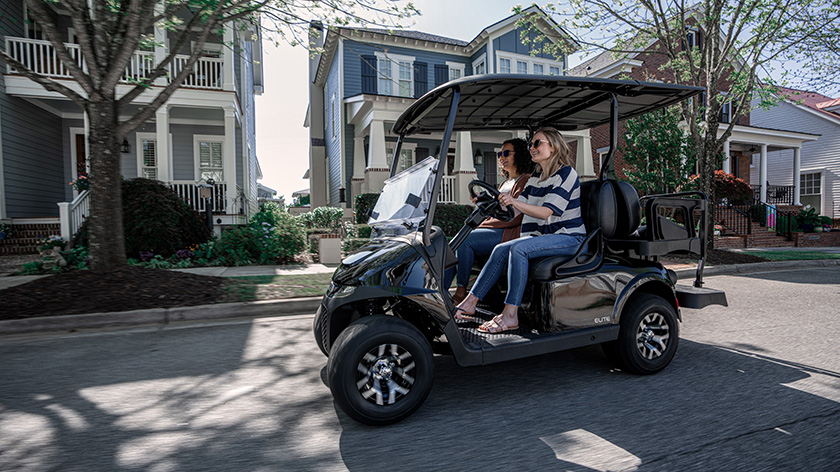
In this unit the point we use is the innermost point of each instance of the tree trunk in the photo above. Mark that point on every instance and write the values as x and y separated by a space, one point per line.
105 225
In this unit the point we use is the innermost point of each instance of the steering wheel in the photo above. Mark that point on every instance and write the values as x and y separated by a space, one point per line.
488 201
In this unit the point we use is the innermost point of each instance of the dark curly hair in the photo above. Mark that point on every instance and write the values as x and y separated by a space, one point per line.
521 157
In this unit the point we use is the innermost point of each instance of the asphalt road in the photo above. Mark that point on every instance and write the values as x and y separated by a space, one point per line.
755 386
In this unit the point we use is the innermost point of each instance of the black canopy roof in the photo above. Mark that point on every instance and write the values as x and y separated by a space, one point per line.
507 101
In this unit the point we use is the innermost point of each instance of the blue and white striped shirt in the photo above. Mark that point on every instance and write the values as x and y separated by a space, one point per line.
560 193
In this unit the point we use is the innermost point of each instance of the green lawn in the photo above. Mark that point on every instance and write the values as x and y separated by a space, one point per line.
794 255
269 287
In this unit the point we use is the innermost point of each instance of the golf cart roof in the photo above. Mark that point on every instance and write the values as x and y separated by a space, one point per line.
515 101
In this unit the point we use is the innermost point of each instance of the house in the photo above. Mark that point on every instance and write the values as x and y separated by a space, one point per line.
815 173
365 78
204 133
747 138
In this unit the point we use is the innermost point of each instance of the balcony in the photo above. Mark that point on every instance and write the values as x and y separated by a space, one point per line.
40 57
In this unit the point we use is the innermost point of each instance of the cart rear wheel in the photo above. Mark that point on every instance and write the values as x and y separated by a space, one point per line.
648 337
380 370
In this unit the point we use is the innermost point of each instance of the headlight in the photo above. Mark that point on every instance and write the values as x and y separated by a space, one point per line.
344 291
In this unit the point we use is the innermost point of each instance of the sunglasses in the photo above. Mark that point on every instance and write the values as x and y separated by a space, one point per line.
535 143
505 153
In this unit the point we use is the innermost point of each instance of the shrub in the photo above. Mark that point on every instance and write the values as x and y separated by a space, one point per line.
363 206
47 244
726 186
323 217
450 217
157 220
349 245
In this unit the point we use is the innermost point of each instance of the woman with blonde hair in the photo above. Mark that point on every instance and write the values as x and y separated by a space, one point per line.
551 226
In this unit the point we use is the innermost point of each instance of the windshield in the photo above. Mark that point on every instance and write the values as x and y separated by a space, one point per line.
404 201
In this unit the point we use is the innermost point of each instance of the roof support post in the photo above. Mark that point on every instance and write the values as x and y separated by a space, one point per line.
395 163
613 136
797 183
444 145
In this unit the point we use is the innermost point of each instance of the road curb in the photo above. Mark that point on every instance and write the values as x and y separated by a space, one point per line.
160 317
163 317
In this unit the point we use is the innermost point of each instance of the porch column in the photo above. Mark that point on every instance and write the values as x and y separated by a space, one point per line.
727 163
227 58
164 160
161 46
762 173
229 164
358 179
464 167
583 162
796 179
377 169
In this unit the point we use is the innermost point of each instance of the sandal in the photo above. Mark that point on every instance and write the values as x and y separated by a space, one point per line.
496 326
462 317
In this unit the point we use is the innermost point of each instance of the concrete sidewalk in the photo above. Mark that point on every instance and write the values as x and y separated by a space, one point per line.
165 317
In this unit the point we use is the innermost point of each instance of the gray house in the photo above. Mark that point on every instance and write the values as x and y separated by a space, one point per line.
814 171
365 78
206 131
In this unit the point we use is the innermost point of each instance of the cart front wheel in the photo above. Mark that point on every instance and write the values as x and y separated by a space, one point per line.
380 370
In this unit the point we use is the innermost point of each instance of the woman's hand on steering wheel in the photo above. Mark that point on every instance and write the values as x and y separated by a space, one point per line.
506 200
489 202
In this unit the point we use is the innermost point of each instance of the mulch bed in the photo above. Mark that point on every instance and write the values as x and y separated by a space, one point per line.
130 288
720 257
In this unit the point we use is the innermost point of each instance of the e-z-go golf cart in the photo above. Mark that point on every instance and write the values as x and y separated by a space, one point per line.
386 312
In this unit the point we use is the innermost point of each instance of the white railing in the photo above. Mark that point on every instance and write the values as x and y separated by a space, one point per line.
447 190
190 192
72 214
208 72
40 57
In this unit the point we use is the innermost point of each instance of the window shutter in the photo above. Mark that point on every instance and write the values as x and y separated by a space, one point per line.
368 74
421 78
698 39
441 74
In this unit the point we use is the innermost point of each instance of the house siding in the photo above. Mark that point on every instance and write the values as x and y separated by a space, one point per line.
250 148
332 138
823 154
353 63
511 42
32 139
183 154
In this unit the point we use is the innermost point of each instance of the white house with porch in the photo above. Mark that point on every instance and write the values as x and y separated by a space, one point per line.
365 78
203 137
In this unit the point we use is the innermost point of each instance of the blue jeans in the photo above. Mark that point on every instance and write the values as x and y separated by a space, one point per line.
481 241
516 254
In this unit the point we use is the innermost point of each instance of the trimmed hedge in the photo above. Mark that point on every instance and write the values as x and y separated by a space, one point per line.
450 217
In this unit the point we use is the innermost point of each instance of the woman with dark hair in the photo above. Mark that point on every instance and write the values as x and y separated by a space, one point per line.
552 225
516 165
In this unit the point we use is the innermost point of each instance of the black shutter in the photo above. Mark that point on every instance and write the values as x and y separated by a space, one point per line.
421 78
698 39
368 74
441 74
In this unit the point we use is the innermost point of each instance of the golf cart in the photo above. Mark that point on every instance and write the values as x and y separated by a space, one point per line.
386 312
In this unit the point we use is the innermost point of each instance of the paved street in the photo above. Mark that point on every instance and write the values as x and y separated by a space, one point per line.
755 386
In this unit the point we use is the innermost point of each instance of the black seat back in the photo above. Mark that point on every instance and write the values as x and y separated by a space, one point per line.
612 206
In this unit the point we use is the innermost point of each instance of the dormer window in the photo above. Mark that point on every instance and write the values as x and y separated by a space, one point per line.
456 70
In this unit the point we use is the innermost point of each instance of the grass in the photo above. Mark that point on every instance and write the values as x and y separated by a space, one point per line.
268 287
795 255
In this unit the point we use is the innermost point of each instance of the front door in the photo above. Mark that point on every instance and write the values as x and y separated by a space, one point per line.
81 156
490 168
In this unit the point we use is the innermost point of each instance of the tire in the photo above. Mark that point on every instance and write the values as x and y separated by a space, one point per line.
380 370
648 337
318 330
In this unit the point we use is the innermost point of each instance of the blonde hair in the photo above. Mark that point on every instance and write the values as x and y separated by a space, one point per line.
561 153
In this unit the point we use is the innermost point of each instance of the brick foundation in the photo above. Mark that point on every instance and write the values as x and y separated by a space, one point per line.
831 239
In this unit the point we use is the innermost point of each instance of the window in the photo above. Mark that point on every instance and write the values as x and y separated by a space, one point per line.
396 74
406 158
210 158
538 69
456 70
810 189
148 159
33 29
726 112
521 67
480 68
213 50
554 70
504 66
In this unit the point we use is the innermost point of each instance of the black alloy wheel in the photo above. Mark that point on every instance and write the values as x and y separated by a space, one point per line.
648 337
380 370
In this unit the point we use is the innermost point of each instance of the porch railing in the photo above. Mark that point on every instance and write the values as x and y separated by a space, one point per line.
733 219
191 193
40 57
776 194
447 190
72 214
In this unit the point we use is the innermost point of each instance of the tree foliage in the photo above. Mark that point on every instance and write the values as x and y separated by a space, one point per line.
109 32
742 39
658 152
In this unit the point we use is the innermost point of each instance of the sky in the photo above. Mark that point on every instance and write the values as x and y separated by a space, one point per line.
282 141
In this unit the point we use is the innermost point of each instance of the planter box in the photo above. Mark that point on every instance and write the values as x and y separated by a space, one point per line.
830 239
329 249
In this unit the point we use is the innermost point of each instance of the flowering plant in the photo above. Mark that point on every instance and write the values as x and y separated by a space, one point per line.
82 183
48 243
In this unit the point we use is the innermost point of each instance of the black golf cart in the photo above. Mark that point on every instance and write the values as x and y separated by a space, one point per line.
386 312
